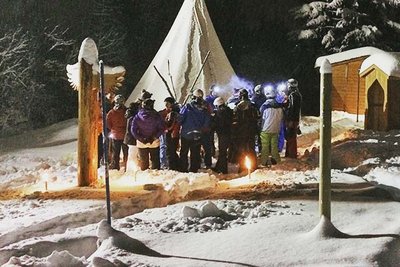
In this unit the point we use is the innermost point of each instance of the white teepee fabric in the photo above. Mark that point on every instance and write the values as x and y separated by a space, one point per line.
190 38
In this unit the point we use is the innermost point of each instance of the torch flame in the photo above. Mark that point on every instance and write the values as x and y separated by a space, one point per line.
247 162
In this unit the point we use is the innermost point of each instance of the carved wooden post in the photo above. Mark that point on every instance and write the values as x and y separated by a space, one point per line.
84 77
88 132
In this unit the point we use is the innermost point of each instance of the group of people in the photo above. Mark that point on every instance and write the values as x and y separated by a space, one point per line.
245 126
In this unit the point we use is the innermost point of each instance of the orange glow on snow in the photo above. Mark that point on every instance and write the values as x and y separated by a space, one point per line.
247 162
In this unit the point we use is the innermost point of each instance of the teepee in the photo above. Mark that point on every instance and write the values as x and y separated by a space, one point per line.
180 58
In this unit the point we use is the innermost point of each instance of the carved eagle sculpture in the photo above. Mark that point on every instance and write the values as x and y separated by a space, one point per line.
113 76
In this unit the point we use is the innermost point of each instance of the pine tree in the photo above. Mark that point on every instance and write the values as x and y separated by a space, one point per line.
340 25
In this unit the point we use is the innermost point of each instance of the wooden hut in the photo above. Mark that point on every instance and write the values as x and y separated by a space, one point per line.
348 87
381 73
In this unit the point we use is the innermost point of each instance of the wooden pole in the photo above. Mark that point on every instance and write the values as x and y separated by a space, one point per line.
88 131
172 80
164 81
325 139
197 77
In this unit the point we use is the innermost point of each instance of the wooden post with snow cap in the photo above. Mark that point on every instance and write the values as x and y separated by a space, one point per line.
325 139
84 77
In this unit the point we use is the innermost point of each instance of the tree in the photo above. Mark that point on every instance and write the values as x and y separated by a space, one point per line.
340 25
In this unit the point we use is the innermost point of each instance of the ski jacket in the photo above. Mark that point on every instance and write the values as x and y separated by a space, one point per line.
223 120
258 100
272 116
116 123
292 110
245 119
194 117
147 126
171 119
130 114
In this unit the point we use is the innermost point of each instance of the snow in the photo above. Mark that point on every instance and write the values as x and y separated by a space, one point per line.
325 67
349 54
166 218
388 62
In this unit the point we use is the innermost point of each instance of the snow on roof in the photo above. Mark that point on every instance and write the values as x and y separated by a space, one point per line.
347 55
389 63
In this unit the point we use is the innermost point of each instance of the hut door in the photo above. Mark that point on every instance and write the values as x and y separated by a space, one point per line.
375 107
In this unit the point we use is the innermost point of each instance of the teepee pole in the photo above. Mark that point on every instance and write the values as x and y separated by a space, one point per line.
164 81
170 77
197 77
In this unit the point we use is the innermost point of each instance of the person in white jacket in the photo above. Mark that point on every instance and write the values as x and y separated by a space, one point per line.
272 116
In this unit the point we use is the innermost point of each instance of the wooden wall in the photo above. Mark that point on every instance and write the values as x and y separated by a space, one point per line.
393 103
348 87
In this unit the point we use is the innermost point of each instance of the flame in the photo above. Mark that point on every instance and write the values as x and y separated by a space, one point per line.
247 162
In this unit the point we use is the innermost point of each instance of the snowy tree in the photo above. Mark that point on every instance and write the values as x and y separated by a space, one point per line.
16 84
30 67
340 25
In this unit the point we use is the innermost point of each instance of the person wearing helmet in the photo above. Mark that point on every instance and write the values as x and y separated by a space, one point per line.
195 122
259 97
292 118
116 123
223 123
272 116
245 128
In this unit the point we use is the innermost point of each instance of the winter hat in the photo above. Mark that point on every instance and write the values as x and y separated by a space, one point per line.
170 100
148 103
219 101
198 93
145 95
270 91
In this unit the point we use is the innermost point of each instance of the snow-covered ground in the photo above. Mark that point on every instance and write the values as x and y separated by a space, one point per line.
166 218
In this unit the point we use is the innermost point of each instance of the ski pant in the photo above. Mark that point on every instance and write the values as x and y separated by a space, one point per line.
223 145
270 147
208 142
291 139
281 137
195 159
147 154
117 145
163 151
172 155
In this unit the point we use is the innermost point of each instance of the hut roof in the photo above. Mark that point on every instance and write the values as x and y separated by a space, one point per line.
349 54
389 63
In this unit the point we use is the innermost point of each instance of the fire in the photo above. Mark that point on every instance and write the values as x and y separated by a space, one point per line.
247 162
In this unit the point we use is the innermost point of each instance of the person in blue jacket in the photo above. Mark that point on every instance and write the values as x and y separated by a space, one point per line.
195 122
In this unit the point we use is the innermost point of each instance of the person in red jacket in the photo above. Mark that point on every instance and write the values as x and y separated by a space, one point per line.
116 123
171 118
